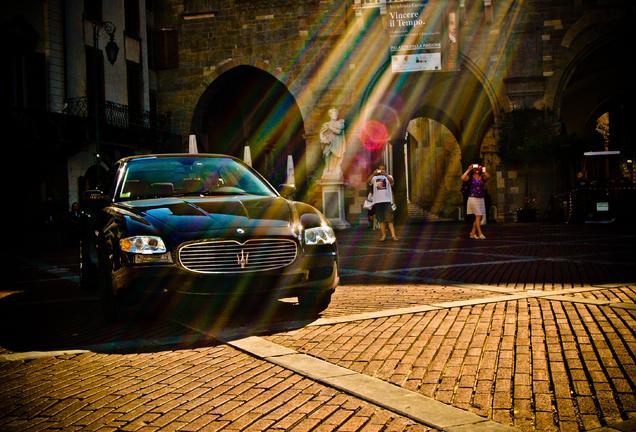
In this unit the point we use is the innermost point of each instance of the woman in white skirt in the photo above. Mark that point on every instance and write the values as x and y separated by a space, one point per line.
476 176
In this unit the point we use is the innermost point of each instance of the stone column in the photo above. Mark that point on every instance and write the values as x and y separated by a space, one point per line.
333 202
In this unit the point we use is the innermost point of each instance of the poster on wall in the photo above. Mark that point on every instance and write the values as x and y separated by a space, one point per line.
423 35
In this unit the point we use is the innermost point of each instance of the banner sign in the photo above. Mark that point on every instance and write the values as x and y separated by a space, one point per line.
422 35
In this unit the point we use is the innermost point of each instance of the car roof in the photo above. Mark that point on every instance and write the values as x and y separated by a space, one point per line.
164 155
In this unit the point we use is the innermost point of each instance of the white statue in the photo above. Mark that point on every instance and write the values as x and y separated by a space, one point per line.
332 138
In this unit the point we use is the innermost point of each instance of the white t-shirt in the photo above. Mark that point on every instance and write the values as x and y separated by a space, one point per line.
382 191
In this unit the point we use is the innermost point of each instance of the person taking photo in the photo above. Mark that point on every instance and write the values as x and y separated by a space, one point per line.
382 184
476 176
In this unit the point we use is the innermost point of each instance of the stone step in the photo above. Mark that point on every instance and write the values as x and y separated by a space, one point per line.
416 213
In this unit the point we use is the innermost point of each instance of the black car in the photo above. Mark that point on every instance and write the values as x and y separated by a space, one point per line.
203 225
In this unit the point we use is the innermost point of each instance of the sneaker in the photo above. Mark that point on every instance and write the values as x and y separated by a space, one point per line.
473 236
482 237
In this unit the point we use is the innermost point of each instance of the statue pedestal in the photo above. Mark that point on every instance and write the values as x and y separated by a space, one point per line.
333 202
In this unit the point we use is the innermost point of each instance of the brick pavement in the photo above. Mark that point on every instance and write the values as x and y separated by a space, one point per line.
198 389
536 364
533 327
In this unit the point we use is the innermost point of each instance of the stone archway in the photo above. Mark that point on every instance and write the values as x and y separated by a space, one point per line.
460 102
434 168
463 102
245 105
594 80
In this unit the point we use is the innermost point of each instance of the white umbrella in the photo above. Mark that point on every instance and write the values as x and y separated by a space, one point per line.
290 171
247 156
192 144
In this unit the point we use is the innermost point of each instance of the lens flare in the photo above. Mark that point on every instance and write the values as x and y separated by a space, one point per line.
374 135
342 60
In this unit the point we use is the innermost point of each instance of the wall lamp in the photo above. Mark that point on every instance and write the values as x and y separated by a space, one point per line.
111 47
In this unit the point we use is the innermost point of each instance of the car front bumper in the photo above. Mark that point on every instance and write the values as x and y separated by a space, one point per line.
316 271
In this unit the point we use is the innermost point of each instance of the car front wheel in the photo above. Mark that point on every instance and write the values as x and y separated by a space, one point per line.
111 304
315 301
88 279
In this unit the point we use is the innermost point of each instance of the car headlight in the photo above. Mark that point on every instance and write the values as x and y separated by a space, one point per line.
143 245
319 235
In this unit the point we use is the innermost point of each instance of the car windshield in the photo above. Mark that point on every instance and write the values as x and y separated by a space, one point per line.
157 177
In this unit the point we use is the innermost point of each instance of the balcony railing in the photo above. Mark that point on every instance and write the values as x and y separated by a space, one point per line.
117 115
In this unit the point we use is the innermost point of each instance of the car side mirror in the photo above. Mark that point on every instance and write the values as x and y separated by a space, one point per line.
287 190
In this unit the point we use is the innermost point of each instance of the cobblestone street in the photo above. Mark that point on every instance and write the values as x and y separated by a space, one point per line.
530 329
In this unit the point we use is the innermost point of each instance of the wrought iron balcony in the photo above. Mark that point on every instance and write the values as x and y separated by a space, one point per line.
117 115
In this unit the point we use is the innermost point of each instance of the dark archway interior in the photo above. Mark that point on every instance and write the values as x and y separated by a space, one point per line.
601 83
247 106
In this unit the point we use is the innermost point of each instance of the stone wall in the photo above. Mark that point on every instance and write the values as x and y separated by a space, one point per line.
217 35
514 55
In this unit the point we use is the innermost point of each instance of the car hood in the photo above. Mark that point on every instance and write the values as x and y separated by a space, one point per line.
195 214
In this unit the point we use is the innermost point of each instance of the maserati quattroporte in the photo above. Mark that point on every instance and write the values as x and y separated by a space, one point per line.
203 225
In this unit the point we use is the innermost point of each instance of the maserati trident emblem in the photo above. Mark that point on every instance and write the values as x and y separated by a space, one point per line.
241 259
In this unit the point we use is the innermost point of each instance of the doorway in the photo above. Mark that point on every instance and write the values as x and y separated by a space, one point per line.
434 169
246 106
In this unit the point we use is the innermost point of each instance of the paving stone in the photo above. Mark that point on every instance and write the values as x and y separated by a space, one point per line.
540 343
407 403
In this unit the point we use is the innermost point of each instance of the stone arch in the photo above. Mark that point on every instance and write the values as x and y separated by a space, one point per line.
441 117
464 102
498 104
246 105
468 132
593 76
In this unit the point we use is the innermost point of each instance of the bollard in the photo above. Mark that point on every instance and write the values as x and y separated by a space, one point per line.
460 213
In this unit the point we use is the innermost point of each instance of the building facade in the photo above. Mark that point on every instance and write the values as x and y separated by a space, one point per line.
77 94
520 87
264 75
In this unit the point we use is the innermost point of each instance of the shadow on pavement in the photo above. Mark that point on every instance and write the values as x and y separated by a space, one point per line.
48 313
527 256
42 307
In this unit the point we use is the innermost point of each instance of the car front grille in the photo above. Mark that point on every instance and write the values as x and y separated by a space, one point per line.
230 256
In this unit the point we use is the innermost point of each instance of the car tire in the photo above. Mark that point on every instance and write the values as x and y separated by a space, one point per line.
315 301
88 272
112 307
